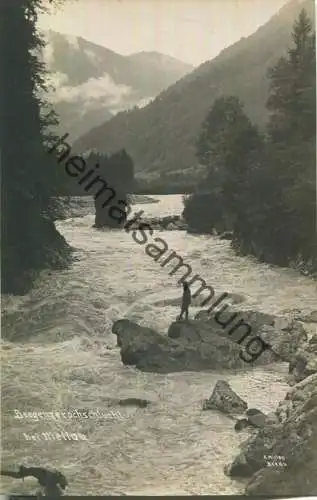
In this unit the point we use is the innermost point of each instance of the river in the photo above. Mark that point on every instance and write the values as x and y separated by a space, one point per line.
66 357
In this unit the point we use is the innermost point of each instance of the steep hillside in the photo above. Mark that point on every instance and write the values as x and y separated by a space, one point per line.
93 83
160 137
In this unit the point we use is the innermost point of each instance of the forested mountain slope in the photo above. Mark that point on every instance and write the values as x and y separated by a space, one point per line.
161 136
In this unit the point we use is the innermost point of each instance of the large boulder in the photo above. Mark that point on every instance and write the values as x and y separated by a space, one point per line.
224 399
141 346
285 336
282 458
256 418
150 351
208 328
128 332
206 343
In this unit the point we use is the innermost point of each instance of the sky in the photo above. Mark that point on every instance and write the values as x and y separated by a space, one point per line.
190 30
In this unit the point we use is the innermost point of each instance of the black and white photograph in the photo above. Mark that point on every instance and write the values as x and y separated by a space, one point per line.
158 249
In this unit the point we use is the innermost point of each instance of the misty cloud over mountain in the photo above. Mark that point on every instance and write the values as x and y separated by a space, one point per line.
90 83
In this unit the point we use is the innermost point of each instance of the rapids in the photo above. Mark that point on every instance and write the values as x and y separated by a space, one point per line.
64 356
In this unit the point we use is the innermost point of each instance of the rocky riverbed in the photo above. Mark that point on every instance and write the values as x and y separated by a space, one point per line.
148 433
279 455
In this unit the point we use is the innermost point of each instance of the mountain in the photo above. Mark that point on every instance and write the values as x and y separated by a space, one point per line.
92 83
161 136
162 65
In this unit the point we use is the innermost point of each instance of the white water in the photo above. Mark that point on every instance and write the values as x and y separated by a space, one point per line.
71 361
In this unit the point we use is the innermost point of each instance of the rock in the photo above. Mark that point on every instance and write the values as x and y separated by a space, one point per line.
290 441
241 423
303 363
210 339
254 318
239 468
256 418
307 318
252 411
271 419
127 331
285 337
254 347
227 235
224 399
302 391
186 331
149 351
141 403
171 226
282 323
180 224
175 329
311 366
140 346
206 342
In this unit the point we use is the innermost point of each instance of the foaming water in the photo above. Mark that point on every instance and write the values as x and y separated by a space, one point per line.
71 361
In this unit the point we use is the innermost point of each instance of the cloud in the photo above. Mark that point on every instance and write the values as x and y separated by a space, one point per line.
145 101
57 79
140 103
102 90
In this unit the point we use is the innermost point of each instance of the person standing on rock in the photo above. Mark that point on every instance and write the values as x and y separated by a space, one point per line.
186 300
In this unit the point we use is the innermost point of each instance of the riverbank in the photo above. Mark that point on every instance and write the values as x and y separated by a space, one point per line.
288 436
204 214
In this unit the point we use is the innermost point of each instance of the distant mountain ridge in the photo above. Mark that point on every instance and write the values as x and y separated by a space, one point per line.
92 83
161 136
159 62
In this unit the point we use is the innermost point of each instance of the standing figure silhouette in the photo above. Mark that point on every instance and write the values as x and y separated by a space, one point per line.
186 301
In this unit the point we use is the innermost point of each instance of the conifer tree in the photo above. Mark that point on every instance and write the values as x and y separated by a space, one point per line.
292 145
266 189
30 178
